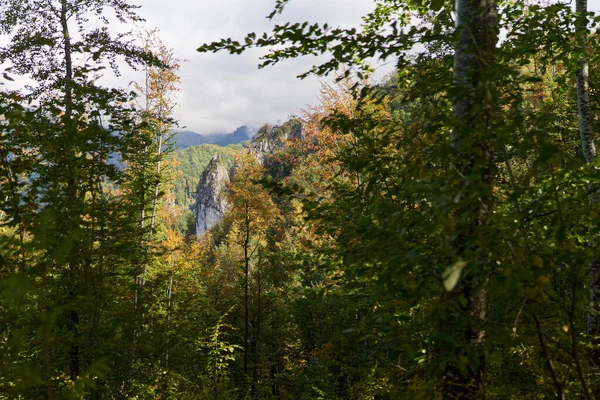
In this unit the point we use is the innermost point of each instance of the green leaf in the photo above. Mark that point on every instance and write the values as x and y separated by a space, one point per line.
452 274
436 5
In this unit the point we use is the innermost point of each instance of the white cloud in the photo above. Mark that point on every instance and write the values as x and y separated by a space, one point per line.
220 91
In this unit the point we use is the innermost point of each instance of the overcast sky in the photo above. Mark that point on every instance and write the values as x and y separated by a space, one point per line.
220 92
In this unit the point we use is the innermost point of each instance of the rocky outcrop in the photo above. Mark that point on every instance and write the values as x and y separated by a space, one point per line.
211 202
270 139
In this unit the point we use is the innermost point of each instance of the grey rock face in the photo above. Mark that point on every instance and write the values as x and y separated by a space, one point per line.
211 202
270 139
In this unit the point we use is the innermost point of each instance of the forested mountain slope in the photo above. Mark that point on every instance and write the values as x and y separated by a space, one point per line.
433 236
184 139
188 165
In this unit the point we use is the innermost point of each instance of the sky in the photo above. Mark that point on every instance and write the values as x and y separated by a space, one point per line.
220 92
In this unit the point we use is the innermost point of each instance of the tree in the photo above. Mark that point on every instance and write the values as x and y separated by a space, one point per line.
472 138
589 153
76 232
468 181
251 215
145 164
160 83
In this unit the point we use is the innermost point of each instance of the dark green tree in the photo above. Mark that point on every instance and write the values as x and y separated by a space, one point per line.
474 183
80 252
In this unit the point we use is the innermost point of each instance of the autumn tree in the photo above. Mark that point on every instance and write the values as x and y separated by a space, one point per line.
160 84
250 217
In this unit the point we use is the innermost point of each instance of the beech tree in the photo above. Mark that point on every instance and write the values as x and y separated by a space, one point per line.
588 147
472 140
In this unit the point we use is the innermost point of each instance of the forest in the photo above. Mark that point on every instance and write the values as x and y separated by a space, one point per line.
431 235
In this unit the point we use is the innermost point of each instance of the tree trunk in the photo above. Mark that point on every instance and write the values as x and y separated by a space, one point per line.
73 318
257 336
68 61
156 187
589 154
169 297
246 283
74 363
583 89
476 22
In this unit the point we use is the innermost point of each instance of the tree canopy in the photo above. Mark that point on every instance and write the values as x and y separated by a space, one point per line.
431 235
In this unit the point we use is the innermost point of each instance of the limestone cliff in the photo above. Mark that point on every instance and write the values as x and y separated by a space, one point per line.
211 202
269 139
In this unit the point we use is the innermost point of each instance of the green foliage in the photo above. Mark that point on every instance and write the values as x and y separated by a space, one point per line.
389 243
220 355
189 164
426 207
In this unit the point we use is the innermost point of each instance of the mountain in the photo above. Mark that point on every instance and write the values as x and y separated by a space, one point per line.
211 202
185 139
189 164
270 139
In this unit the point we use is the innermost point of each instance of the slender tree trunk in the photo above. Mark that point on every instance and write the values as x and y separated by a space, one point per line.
589 154
257 337
476 22
99 284
156 187
68 61
74 365
583 89
169 297
273 368
557 385
246 284
143 188
139 279
73 318
141 222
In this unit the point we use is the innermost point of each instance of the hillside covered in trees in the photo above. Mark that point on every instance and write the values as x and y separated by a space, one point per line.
185 139
188 164
433 235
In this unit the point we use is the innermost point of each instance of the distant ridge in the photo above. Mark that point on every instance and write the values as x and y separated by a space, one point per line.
185 139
